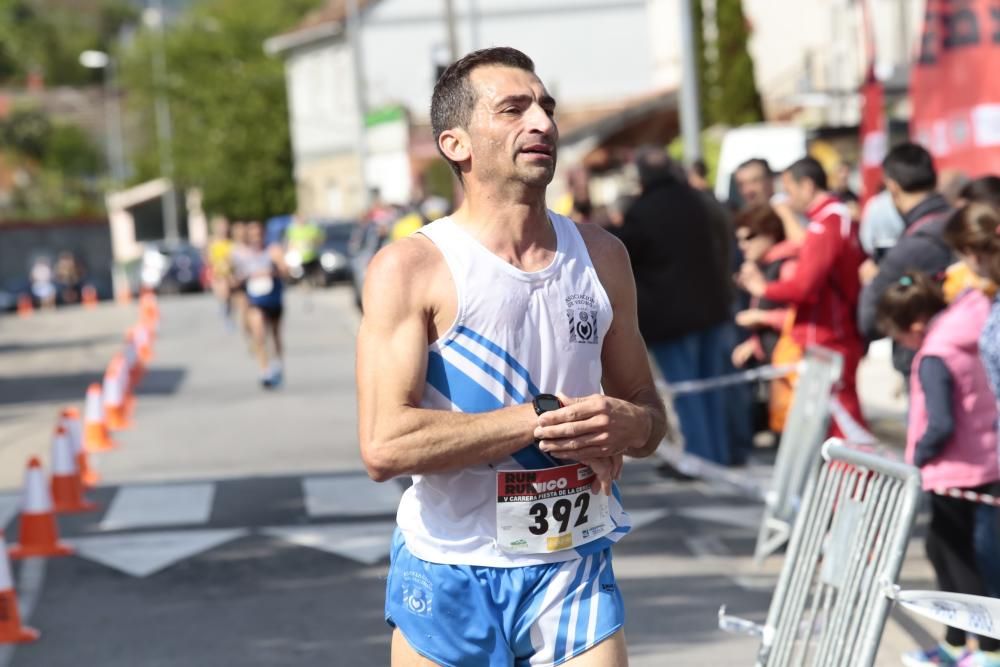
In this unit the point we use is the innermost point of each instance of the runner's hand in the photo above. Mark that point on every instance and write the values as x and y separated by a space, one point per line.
607 471
592 427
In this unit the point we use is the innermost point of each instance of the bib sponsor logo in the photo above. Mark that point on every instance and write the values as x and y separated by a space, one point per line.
564 541
519 484
581 311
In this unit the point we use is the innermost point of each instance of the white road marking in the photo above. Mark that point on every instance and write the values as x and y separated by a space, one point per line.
159 505
143 554
349 496
366 543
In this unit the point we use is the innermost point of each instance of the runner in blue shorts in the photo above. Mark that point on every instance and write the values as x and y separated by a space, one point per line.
500 365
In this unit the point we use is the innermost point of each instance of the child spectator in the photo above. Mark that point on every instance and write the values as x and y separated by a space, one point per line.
952 438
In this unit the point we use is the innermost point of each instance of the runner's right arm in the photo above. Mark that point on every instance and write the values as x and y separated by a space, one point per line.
401 295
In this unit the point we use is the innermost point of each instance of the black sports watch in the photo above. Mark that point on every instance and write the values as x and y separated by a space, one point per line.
546 403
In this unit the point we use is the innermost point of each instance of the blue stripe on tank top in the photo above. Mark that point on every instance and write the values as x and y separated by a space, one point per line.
567 608
489 370
459 388
530 457
471 397
500 352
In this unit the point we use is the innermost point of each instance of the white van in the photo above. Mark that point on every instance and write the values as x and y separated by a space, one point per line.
779 144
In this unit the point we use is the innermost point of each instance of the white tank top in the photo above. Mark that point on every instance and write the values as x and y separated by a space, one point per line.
516 334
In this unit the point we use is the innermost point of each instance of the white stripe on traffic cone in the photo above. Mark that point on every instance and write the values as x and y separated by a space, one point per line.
38 533
67 488
70 420
95 428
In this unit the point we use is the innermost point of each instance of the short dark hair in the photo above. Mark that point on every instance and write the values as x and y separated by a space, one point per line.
454 98
756 162
699 168
912 167
808 168
983 190
915 297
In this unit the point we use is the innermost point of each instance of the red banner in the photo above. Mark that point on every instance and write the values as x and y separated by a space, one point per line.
955 88
874 136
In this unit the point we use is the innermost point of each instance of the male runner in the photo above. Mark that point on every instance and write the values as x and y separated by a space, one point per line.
471 328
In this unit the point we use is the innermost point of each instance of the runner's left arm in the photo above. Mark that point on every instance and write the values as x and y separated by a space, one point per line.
629 418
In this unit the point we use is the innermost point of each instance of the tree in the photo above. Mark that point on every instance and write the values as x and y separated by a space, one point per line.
48 37
227 102
736 100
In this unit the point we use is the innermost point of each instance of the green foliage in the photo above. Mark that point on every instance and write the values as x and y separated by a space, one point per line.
26 132
227 103
57 164
736 100
711 149
48 36
70 151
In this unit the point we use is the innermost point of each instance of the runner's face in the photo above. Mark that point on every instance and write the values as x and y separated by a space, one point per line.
512 132
255 236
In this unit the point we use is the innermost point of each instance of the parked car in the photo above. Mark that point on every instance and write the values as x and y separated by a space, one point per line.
335 256
172 268
368 239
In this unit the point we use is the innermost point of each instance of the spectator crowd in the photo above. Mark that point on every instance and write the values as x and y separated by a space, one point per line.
799 264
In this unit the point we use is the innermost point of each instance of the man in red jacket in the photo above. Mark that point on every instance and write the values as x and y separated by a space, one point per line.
824 287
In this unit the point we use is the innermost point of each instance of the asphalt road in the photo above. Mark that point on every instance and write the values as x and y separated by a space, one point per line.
237 527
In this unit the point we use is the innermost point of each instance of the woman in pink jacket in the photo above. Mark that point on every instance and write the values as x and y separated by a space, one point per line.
952 438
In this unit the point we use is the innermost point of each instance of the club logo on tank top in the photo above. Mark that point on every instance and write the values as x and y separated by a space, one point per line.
581 311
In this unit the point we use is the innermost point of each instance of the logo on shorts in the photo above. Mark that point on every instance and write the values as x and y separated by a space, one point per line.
608 588
582 315
418 594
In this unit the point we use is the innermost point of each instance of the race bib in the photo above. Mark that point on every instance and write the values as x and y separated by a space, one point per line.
260 285
541 511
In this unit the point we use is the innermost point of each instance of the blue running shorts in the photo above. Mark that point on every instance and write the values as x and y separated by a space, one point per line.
473 616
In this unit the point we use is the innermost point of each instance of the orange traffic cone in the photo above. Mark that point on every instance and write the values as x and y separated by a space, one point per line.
39 535
70 420
88 296
95 429
114 395
125 378
149 310
25 307
67 489
11 630
144 343
133 359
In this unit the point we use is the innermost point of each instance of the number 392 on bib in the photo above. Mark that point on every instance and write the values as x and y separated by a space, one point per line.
541 511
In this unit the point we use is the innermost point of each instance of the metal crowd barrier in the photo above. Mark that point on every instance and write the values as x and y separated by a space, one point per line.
836 587
805 429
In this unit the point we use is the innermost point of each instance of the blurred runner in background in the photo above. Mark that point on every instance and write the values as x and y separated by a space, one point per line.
261 268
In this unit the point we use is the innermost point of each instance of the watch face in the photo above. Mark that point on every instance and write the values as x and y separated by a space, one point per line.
548 403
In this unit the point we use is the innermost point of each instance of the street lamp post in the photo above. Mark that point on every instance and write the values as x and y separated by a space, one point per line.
114 134
153 18
689 112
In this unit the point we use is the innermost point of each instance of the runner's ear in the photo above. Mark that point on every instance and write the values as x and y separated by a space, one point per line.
456 145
